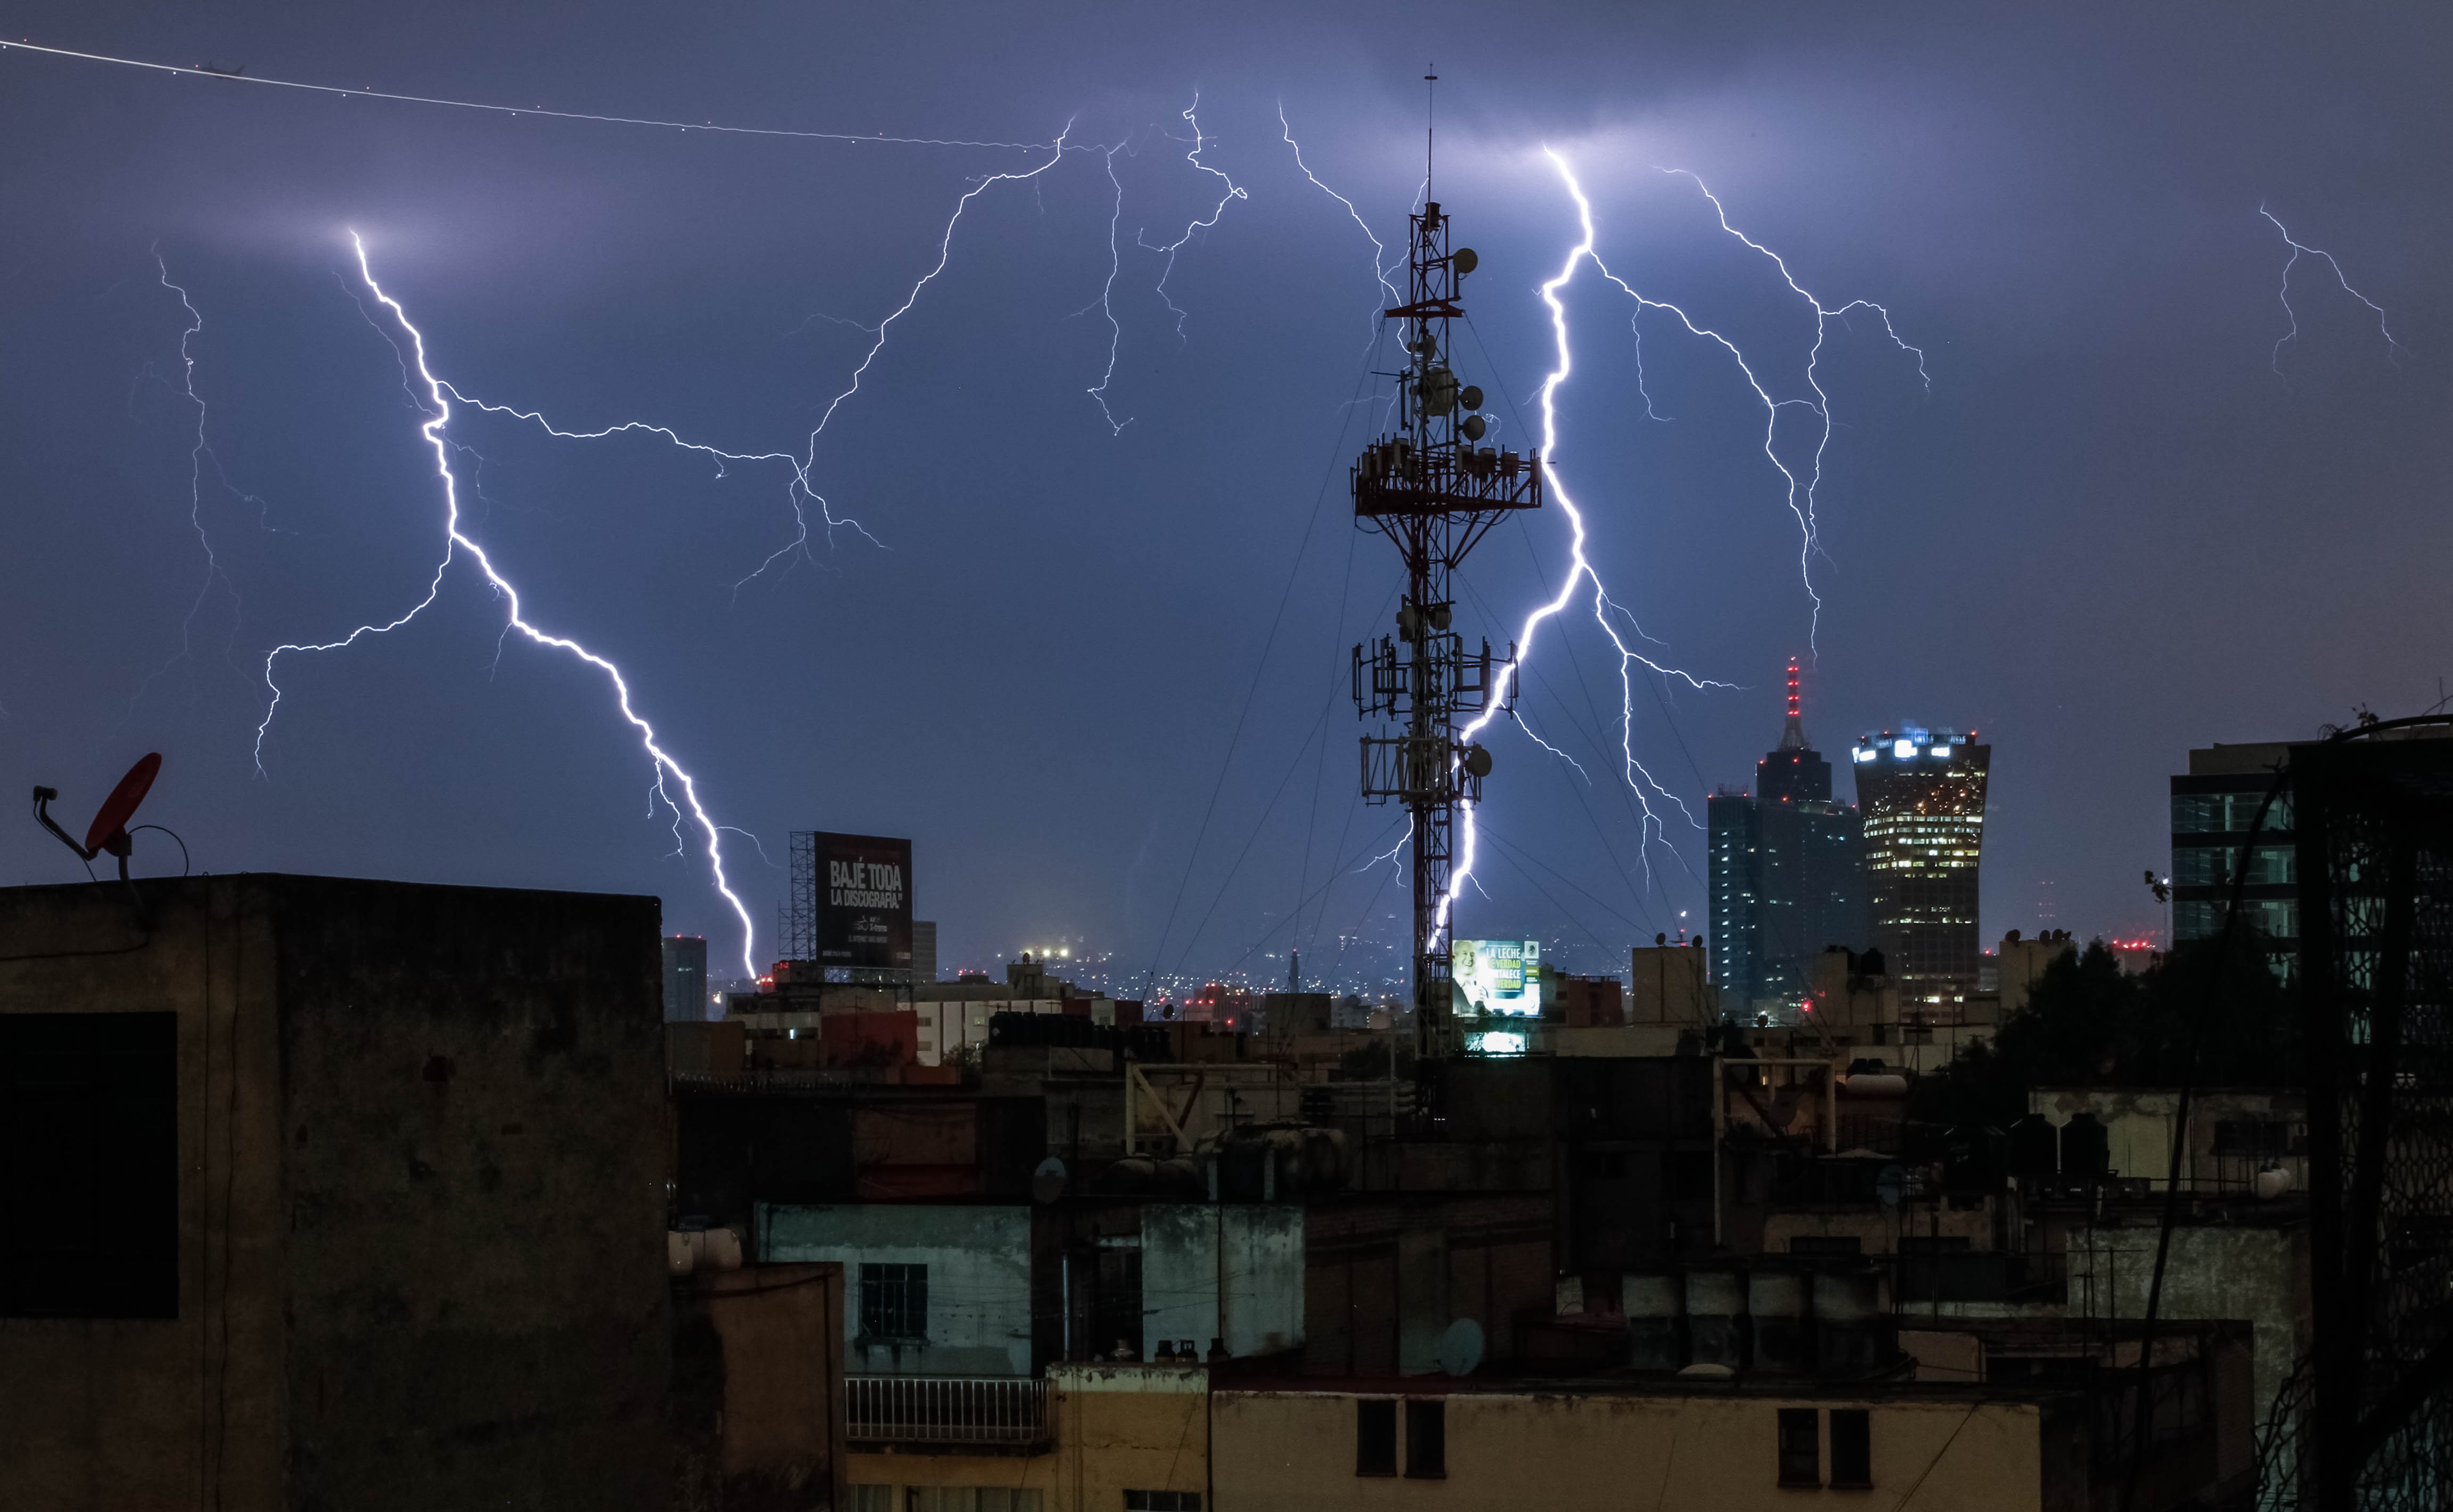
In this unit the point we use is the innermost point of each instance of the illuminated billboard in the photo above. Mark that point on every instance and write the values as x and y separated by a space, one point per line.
1498 978
864 901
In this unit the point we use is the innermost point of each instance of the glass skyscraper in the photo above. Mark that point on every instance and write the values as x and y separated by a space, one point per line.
2212 808
1786 877
1923 794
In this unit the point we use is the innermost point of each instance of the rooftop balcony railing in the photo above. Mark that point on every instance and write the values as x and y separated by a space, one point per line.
977 1411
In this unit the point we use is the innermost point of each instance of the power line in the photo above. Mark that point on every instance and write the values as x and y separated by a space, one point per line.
1294 571
879 139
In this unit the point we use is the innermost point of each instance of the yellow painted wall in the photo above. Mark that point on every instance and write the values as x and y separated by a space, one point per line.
1295 1450
1116 1428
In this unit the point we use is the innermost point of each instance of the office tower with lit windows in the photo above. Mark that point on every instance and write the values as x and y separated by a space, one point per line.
1786 877
1729 817
1923 796
2212 809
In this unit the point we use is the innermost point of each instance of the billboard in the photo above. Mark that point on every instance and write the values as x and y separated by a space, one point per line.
1497 978
864 886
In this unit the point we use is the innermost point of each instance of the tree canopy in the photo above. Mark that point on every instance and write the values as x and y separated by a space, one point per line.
2086 1023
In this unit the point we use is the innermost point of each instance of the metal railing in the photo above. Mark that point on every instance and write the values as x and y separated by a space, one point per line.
946 1409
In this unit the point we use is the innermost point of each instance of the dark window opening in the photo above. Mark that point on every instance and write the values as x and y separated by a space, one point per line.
1375 1438
1688 1174
1427 1439
1934 1244
89 1159
1852 1448
1800 1453
894 1302
1162 1502
1826 1245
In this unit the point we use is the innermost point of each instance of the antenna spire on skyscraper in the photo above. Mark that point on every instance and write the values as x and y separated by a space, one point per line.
1793 737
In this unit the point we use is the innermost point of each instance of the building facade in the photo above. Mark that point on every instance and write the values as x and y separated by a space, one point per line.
684 978
1923 795
2213 808
337 1194
1787 874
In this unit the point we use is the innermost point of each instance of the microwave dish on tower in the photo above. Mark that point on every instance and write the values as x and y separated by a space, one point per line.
1434 493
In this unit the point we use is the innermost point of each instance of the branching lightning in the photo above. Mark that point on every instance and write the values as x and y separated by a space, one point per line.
1106 300
1394 855
198 455
2393 349
1801 498
1581 570
1233 192
1379 251
673 786
436 401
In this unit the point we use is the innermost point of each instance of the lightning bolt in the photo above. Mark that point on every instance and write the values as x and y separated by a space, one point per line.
1233 194
1380 263
198 456
439 397
1394 855
1800 500
457 543
1106 302
2393 349
1581 570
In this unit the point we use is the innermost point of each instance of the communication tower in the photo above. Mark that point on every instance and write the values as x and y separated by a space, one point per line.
1434 491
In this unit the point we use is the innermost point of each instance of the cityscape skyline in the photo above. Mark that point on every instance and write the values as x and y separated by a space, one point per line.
319 511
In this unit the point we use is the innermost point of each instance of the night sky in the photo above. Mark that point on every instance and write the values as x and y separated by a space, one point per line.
2106 530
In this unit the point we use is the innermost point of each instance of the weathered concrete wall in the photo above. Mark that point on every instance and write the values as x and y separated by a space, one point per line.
420 1207
472 1153
1231 1270
758 1390
104 1415
2255 1272
979 1279
2214 1271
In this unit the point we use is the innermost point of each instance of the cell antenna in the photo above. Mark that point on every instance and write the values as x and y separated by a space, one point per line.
1434 491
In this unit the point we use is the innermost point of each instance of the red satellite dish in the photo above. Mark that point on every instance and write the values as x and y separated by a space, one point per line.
110 831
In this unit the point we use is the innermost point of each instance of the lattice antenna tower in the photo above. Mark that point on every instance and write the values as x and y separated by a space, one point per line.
1434 491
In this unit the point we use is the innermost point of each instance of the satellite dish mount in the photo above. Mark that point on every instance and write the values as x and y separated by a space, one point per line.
108 834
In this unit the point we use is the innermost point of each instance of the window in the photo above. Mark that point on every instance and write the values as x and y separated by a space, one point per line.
89 1152
970 1497
1800 1453
1688 1175
1375 1438
1852 1449
872 1498
1826 1245
894 1302
1426 1438
1162 1502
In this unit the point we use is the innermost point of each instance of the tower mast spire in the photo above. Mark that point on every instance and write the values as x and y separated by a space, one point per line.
1434 493
1793 737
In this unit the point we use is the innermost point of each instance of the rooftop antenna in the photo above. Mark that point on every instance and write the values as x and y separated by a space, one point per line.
1794 737
1434 493
1430 113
